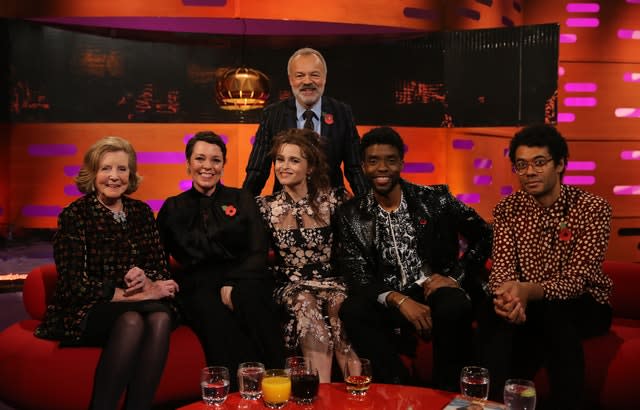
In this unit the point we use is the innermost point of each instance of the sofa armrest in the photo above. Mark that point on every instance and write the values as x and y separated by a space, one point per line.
38 289
625 299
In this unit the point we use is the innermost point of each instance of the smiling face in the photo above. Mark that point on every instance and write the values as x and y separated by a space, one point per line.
112 178
291 168
205 166
544 185
382 165
307 77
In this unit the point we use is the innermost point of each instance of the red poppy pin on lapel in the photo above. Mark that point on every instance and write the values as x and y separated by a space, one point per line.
423 221
565 232
328 118
229 210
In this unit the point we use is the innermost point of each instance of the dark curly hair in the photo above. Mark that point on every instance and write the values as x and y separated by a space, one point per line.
541 135
384 136
310 144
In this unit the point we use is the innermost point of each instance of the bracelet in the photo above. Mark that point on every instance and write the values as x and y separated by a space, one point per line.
401 301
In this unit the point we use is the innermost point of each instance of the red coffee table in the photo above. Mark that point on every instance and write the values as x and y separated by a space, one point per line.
334 397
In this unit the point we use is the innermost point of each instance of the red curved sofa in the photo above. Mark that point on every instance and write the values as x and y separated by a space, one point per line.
613 360
38 374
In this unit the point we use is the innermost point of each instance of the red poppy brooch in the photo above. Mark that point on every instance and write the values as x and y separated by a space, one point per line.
229 210
565 232
328 118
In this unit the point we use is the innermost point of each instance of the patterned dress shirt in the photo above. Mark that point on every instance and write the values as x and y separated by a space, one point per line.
398 246
561 247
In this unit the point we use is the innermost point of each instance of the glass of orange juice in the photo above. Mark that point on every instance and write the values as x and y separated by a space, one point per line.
276 388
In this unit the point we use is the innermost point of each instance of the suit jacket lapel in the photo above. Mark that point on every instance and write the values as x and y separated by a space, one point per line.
326 130
290 114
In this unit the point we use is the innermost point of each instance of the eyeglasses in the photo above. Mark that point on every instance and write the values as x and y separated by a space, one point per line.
521 166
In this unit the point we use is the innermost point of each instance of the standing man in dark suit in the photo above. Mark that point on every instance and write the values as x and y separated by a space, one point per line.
308 108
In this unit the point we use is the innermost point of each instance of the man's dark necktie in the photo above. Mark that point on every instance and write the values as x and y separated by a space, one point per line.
308 120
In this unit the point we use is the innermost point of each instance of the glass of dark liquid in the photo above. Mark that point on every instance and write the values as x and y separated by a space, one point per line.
304 380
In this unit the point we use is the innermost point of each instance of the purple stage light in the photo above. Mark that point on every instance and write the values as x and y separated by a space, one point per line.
506 190
72 190
580 102
566 117
631 77
71 170
471 198
52 150
583 7
588 22
462 144
421 14
579 179
627 112
418 167
185 184
581 165
482 163
482 179
160 157
581 87
629 34
630 155
41 210
155 204
626 190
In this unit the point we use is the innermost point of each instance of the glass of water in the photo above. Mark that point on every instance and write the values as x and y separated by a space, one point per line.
474 382
250 376
214 383
520 394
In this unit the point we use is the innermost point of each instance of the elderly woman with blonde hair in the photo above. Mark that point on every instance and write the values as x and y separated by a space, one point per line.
114 288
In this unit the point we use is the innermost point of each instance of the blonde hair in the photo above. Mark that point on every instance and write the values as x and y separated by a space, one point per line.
85 181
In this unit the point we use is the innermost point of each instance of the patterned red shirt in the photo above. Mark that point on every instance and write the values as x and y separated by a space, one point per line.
561 247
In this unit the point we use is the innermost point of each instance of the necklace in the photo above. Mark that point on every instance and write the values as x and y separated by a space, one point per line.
118 216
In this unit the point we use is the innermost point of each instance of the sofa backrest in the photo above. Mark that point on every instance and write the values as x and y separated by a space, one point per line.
625 298
40 284
38 288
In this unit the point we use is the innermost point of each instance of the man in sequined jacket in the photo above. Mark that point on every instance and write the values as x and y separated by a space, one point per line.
398 248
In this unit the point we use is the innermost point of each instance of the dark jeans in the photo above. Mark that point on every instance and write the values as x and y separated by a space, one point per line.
381 333
550 337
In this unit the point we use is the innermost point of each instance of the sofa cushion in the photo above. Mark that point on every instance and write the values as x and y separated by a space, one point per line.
70 371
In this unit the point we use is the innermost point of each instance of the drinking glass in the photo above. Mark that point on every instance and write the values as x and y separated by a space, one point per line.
276 388
214 383
304 382
295 361
250 376
520 394
474 382
357 375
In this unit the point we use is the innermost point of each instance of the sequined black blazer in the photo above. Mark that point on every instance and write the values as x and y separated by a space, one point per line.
439 219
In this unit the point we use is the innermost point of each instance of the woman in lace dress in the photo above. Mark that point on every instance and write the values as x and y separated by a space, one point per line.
298 219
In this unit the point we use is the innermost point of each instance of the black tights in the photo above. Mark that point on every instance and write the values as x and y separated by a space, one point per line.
133 358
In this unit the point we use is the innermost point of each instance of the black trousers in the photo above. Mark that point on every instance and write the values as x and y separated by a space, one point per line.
381 333
550 337
251 332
